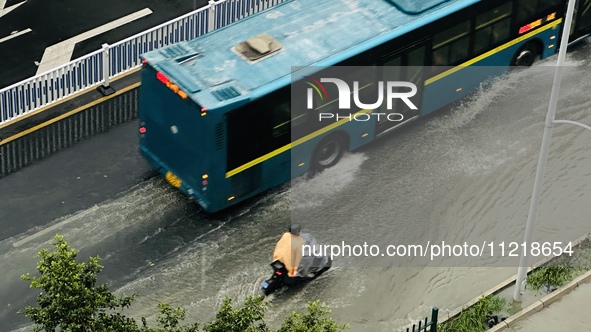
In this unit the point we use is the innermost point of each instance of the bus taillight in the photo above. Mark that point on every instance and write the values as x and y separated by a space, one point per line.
143 130
162 78
204 182
175 88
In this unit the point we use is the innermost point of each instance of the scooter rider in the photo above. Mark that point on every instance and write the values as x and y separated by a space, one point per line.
289 250
290 266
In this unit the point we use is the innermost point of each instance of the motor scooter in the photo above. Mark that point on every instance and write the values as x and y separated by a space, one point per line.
310 268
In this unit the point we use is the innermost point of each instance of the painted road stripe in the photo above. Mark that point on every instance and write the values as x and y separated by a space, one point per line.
4 11
61 53
14 35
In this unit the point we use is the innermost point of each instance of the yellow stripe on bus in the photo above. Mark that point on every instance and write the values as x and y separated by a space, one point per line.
291 145
427 82
491 52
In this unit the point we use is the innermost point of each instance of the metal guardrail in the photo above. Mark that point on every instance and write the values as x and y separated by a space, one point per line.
97 68
426 325
60 135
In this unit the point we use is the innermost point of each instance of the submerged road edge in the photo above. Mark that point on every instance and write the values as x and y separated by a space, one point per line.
542 303
531 309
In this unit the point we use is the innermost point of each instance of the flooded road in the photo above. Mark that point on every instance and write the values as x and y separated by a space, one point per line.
462 175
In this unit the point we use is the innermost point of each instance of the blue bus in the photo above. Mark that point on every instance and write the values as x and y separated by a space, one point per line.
216 116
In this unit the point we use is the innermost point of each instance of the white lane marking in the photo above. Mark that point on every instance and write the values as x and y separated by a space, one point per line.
112 25
61 53
9 9
15 34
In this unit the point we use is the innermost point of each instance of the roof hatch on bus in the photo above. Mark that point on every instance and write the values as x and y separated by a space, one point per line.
226 93
174 50
258 47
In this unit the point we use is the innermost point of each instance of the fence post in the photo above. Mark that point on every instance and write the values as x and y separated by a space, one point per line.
211 18
105 89
2 110
434 315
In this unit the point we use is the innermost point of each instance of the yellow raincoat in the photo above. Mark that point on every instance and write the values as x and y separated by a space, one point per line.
289 252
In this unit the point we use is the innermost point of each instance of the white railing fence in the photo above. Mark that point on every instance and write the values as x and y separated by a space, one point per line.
98 67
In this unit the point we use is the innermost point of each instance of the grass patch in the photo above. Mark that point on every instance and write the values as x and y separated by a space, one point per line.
561 270
585 244
475 318
551 277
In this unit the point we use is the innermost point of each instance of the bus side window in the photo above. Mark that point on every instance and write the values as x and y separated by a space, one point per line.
459 50
416 57
547 4
281 118
492 27
366 79
300 124
248 133
299 118
440 56
392 70
526 9
451 45
531 9
322 104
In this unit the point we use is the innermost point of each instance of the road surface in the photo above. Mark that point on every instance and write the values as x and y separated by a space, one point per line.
462 175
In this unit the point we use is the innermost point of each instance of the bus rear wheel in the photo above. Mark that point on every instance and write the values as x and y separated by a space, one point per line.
328 152
526 55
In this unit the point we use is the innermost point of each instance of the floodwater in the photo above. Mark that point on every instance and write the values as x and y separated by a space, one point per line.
462 175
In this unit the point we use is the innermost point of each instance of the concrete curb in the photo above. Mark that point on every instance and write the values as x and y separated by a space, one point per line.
533 308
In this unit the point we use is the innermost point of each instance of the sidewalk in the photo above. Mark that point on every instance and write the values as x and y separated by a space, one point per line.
563 309
567 314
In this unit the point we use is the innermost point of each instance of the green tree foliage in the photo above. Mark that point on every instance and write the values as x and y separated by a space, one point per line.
245 318
169 320
70 300
314 320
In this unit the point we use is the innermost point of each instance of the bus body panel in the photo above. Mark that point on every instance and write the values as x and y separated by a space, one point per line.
175 135
356 134
216 75
465 79
260 177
